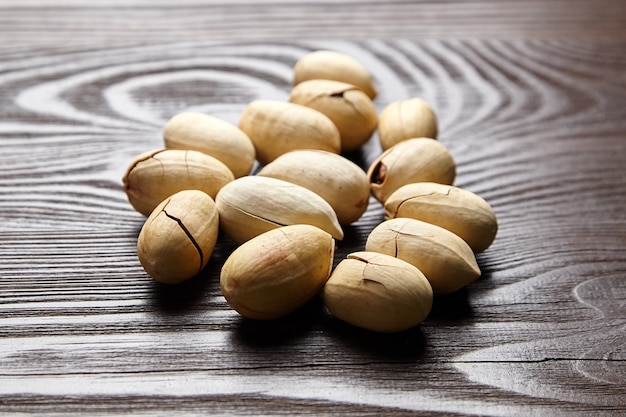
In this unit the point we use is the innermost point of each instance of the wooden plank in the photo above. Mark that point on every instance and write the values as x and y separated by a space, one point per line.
117 23
537 128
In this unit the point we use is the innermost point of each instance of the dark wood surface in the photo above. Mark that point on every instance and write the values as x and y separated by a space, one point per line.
531 98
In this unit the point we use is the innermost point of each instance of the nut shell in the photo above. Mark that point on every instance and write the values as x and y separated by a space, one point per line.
153 176
406 119
378 292
277 127
333 65
212 136
412 160
278 271
251 205
339 181
445 259
350 109
455 209
178 238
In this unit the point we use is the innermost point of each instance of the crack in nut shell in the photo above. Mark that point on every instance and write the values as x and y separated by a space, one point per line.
187 233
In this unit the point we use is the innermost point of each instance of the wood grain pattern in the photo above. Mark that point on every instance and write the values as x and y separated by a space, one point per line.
537 126
121 23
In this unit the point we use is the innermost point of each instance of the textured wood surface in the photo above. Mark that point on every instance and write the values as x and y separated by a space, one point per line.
531 98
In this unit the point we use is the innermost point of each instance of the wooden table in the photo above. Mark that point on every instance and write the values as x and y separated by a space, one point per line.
531 98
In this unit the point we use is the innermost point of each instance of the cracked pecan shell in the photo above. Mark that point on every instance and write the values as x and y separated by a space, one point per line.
178 238
446 260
